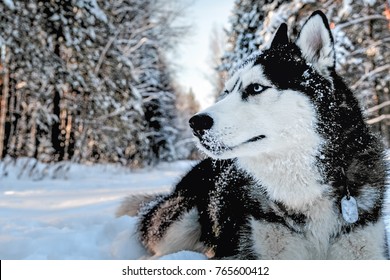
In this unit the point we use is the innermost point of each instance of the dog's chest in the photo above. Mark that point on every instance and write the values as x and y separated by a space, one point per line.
288 234
240 211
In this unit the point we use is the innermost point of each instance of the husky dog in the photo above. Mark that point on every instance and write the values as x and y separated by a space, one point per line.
293 170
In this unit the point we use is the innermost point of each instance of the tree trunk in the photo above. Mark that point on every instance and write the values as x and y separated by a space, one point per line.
4 99
56 128
56 133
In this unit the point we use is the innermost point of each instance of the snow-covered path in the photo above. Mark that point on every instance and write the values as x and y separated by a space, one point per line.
74 217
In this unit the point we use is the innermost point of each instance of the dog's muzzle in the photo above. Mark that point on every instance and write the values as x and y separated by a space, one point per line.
200 123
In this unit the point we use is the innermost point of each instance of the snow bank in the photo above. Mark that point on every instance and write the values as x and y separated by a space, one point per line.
73 215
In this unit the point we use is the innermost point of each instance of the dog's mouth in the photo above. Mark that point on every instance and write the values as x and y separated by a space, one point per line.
255 139
216 147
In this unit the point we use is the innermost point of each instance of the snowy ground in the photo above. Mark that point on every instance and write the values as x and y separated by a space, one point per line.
73 215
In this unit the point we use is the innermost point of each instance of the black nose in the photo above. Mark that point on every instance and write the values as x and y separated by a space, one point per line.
200 123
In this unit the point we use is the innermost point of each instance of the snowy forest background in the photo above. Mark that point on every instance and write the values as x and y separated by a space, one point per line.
90 81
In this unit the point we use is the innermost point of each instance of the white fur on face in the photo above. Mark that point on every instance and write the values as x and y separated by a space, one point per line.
284 160
285 118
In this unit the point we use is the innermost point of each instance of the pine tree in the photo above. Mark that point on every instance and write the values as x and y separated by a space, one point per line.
248 31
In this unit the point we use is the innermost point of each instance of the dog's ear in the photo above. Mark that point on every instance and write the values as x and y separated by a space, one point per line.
316 43
280 36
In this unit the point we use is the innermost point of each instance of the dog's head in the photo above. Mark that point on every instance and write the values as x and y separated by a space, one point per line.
268 105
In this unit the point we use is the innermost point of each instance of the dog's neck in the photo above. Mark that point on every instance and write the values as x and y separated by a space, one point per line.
291 178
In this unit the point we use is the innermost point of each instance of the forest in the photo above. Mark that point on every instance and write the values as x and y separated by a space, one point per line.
89 81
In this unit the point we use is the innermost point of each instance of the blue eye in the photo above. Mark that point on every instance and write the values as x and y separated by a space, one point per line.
253 89
257 88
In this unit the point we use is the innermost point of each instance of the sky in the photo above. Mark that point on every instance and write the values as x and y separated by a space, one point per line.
193 59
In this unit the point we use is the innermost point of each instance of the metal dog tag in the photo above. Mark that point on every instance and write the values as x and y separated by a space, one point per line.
349 209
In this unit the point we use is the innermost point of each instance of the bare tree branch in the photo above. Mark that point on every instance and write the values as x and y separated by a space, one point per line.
369 74
378 119
105 50
378 107
358 20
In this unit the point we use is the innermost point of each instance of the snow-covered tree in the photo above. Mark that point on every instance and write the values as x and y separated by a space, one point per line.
248 30
363 39
88 80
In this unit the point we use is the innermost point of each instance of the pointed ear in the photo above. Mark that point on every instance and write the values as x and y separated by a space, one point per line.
280 36
316 43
